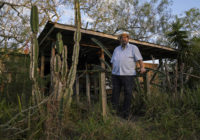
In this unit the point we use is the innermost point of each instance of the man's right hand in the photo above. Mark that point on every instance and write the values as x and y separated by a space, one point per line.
142 70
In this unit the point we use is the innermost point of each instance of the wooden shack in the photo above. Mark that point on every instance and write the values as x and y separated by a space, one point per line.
90 52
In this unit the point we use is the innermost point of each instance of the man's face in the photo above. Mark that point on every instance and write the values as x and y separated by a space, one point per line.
124 40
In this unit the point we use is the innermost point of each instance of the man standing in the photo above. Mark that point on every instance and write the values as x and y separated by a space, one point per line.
123 61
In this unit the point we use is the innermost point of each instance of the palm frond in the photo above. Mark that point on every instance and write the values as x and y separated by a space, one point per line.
107 65
102 47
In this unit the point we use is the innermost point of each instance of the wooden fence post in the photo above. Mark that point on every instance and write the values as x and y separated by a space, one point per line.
103 86
88 88
146 83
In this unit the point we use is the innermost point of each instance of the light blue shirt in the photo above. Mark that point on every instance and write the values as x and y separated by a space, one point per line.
124 60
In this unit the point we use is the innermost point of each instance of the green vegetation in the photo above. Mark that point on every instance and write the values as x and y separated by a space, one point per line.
14 77
162 114
160 117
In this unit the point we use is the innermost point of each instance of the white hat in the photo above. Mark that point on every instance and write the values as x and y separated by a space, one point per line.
123 34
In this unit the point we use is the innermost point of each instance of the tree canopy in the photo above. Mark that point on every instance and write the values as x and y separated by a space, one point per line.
147 20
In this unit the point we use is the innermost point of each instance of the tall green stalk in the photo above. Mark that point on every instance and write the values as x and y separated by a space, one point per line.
72 73
34 22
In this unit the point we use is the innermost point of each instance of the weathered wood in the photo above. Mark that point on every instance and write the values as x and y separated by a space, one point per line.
88 88
103 87
146 83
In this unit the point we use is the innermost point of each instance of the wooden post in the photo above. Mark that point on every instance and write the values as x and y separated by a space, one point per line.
77 90
88 88
103 86
146 83
42 67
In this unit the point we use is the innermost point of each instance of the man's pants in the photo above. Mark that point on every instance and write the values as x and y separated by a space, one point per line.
127 82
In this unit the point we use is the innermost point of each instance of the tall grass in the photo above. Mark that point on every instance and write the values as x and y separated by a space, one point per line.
155 116
173 118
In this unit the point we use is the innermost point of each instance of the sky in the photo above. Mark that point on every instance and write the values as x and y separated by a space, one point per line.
179 6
